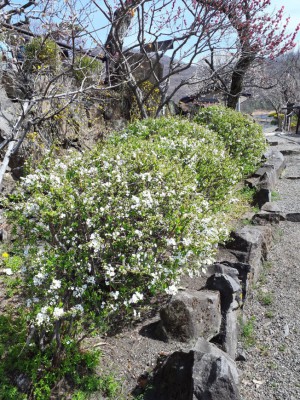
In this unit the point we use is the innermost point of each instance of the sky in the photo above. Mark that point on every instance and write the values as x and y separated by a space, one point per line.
292 10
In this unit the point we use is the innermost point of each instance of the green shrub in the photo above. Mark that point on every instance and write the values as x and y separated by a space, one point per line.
275 115
86 67
242 137
37 368
41 53
294 122
196 148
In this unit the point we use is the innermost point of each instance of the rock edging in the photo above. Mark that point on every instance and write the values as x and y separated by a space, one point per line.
210 315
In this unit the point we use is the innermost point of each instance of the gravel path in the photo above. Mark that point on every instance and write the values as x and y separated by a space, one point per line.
272 369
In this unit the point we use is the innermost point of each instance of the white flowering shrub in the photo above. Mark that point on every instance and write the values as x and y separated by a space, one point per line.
243 137
99 233
103 230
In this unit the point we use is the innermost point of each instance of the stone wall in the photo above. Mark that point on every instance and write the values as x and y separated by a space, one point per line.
207 317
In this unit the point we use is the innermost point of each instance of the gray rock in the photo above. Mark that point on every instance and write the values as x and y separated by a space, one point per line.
252 182
265 232
191 314
8 184
8 112
241 356
230 338
272 142
292 151
172 108
228 287
220 268
267 177
203 346
276 159
230 292
118 124
251 245
262 196
4 235
193 376
225 255
293 217
271 207
265 217
213 378
243 270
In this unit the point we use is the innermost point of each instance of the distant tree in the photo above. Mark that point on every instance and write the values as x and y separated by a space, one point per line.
285 90
259 34
46 82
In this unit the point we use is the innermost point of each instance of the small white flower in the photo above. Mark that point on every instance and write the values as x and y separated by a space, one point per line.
77 309
110 272
136 297
171 290
58 312
78 291
42 317
8 271
171 242
115 294
115 234
186 241
39 278
91 279
56 284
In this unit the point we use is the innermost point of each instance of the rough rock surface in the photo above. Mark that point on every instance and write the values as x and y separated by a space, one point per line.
8 111
194 376
250 244
265 178
203 346
191 314
230 291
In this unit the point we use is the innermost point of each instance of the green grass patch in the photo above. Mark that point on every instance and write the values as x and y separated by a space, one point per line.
248 332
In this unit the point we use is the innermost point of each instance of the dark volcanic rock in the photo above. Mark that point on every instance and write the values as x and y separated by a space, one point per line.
193 376
191 314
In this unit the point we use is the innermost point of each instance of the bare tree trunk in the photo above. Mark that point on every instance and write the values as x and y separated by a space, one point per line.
138 94
237 79
16 136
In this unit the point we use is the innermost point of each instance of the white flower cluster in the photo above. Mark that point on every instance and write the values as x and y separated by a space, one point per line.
42 318
39 278
136 297
56 284
58 312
